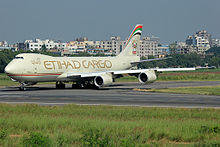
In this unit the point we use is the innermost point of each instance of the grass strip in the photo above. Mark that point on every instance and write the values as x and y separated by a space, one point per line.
189 76
203 90
198 75
6 81
75 125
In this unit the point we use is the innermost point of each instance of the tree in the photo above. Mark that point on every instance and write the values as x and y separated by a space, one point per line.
214 50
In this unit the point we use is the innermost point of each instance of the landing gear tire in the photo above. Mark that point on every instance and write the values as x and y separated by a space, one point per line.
84 85
76 86
60 85
22 88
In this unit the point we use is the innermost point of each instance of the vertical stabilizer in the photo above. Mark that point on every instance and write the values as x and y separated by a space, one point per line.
133 42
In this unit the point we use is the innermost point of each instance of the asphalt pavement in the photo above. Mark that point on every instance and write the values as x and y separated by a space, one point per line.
116 94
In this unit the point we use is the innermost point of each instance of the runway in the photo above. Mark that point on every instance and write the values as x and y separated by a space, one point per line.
117 94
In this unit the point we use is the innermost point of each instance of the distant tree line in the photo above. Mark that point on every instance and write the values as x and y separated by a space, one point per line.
212 58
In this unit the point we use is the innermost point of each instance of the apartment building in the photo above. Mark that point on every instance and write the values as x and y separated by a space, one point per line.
148 46
162 50
38 44
216 42
4 44
201 41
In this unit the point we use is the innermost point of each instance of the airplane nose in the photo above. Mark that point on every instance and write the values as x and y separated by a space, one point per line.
9 69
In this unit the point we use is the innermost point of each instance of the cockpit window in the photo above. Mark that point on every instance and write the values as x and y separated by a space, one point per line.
19 57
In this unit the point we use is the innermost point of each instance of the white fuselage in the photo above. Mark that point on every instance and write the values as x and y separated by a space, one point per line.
30 67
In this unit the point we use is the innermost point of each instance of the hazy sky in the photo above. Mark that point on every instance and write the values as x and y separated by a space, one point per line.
170 20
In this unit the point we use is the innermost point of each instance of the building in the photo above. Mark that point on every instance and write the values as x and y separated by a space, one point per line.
117 44
202 40
189 40
163 50
81 39
4 44
22 46
182 48
148 47
113 46
199 43
215 42
38 44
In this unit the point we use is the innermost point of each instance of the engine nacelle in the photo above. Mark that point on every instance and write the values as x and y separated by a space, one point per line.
103 80
147 77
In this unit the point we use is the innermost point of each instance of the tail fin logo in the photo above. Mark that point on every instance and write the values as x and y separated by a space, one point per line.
131 46
134 45
137 30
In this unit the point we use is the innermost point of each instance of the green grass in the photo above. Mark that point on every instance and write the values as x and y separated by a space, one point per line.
203 90
190 77
198 75
127 79
6 81
184 77
200 70
74 125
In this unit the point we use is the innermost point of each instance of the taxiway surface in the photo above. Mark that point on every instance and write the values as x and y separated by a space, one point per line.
118 94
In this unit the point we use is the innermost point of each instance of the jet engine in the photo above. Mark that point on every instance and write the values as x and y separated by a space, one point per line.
103 80
147 77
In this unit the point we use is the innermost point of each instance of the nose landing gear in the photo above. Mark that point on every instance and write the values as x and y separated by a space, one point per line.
24 84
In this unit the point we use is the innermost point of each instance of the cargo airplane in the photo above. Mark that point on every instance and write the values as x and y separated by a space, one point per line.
31 68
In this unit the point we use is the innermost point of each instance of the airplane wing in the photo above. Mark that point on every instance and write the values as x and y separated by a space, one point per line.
104 78
174 69
125 72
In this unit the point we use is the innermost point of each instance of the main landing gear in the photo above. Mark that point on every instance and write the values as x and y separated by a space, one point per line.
78 85
60 85
84 85
22 87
